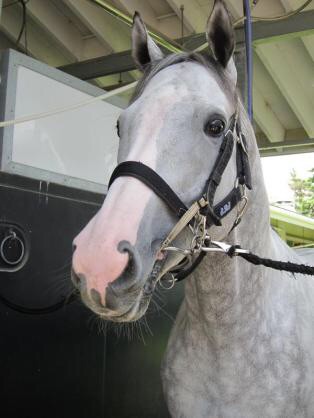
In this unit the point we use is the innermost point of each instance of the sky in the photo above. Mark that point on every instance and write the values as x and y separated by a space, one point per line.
277 173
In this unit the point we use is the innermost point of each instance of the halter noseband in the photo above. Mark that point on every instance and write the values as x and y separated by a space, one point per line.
202 211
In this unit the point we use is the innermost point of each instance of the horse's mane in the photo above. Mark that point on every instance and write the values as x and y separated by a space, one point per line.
206 60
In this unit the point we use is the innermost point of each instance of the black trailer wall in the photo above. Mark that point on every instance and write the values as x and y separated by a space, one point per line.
59 365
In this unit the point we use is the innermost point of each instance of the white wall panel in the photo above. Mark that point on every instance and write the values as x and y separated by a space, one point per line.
81 143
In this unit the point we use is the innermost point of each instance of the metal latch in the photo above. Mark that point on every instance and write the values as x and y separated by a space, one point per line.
13 254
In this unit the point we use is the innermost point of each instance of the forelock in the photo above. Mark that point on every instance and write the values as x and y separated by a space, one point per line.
207 61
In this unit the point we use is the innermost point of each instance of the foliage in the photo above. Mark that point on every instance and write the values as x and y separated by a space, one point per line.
303 193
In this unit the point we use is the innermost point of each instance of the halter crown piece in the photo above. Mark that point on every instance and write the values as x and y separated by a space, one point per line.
202 214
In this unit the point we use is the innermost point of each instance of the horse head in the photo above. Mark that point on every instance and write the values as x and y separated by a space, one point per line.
174 124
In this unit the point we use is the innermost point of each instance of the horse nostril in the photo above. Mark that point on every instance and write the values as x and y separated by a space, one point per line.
131 268
73 248
129 281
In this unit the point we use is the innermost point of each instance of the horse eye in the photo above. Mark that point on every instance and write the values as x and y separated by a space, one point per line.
215 127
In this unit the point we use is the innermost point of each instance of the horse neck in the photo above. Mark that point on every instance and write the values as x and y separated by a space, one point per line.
228 292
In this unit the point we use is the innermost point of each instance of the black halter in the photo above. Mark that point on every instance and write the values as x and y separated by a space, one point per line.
214 214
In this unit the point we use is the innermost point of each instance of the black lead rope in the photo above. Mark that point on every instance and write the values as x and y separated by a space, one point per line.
273 264
253 259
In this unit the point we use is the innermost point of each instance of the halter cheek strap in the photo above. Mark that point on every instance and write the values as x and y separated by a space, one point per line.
243 177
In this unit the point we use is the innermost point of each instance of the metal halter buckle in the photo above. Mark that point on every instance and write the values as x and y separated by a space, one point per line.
200 234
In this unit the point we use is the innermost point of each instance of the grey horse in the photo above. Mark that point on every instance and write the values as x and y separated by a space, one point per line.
243 341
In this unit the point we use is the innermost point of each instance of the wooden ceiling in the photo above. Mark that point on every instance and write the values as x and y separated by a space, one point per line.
61 32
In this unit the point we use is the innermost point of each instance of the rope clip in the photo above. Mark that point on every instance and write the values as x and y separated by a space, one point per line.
223 247
241 211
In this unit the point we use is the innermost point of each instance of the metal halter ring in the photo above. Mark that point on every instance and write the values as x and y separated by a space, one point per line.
172 280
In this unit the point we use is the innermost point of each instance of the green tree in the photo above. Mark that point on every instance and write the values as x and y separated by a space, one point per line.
303 193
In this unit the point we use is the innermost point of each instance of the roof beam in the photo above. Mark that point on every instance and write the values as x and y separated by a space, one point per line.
266 119
287 147
263 81
294 27
102 66
308 41
57 26
92 48
263 33
194 18
146 11
279 59
39 45
113 34
171 28
109 31
261 30
5 42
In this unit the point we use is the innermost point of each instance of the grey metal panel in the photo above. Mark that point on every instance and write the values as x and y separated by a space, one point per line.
287 147
297 24
10 61
100 66
301 22
7 104
4 65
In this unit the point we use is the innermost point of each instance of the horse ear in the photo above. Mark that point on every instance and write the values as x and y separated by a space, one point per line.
220 36
144 49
